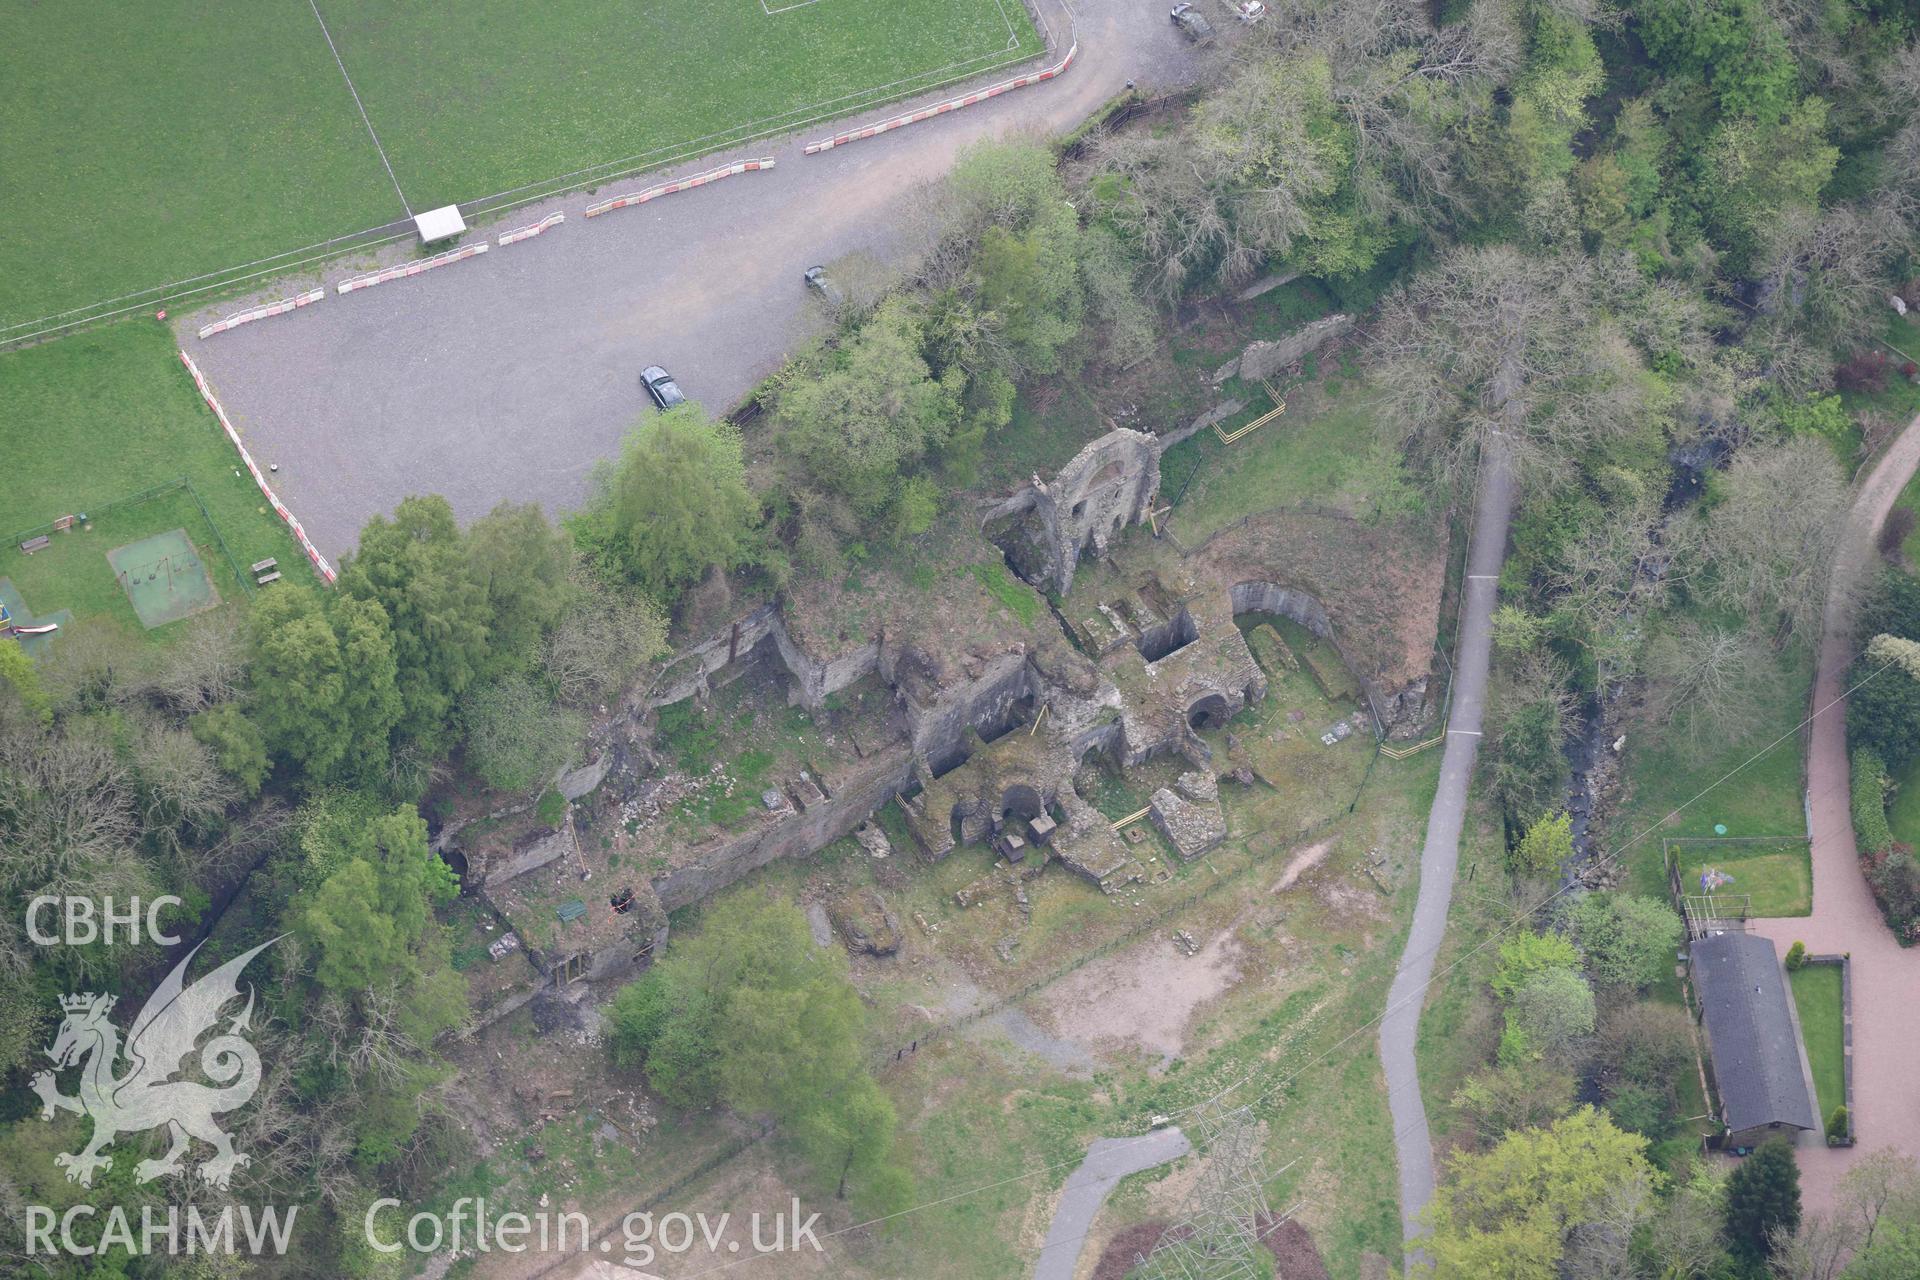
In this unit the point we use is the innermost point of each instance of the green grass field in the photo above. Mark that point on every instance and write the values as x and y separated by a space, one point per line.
93 419
1816 994
1310 456
153 143
1778 879
1753 788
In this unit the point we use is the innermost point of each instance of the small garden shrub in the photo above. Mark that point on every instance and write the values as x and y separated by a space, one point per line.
1863 371
1796 956
1837 1125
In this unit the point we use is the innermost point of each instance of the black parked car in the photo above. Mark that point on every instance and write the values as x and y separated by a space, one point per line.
660 385
1192 25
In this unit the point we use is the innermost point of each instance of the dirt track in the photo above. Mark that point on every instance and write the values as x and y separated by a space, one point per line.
1886 977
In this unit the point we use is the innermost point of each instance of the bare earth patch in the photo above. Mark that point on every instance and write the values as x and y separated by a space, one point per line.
1142 997
1301 863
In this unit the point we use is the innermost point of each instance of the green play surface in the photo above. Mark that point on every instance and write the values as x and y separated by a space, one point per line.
21 616
164 578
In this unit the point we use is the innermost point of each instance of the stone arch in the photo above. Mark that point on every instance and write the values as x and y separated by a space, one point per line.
1021 801
1209 711
1285 602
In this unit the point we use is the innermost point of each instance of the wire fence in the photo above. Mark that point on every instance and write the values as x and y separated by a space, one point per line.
120 505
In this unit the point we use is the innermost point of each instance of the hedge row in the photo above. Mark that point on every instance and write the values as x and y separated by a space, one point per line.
1869 802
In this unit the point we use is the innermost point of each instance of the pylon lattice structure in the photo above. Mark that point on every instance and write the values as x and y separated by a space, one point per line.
1217 1236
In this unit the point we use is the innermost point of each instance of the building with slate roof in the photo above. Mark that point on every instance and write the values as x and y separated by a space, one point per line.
1752 1038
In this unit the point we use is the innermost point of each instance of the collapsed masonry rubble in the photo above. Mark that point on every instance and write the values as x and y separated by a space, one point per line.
976 720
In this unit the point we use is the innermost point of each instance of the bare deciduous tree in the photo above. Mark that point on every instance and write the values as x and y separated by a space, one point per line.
1493 344
66 805
207 666
1770 545
602 641
1706 680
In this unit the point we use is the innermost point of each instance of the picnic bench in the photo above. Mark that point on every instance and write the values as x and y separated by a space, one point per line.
265 578
32 545
261 566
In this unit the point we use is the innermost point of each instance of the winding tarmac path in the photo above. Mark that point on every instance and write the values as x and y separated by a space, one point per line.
1108 1160
1886 977
1400 1025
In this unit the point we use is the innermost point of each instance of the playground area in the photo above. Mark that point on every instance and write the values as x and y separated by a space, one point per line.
164 578
30 630
138 564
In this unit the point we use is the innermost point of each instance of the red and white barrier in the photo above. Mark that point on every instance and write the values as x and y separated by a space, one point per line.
941 108
684 184
518 234
371 279
320 565
279 308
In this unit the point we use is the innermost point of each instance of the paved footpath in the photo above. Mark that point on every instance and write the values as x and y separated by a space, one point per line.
1400 1025
1886 977
1108 1160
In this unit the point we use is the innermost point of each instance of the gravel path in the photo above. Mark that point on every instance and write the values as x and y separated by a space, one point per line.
1108 1160
1400 1025
1886 977
510 376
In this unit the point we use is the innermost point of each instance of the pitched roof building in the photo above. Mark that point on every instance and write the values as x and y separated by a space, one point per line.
1752 1037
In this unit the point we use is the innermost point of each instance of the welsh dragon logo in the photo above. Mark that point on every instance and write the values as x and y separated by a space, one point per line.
146 1095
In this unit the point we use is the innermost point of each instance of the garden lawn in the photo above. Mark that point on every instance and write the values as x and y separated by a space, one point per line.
1903 816
150 143
1753 788
1778 879
1816 994
94 418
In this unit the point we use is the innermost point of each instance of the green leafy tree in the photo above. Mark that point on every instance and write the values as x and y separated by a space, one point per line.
16 671
416 567
872 411
1509 1212
636 1016
369 916
1629 941
522 562
1757 170
238 745
1549 102
1894 1254
748 1011
1008 198
1528 954
676 503
370 695
1763 1196
299 682
1737 46
1549 1016
1547 846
